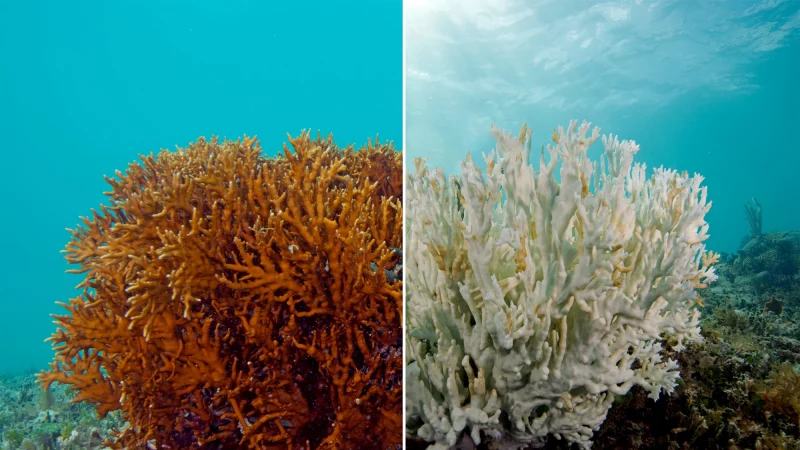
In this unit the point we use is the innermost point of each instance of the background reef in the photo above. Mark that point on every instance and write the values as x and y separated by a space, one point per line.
235 301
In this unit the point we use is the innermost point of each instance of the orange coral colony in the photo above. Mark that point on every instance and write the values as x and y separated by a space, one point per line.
236 301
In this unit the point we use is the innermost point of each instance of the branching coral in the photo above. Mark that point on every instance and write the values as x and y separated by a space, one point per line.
233 301
535 297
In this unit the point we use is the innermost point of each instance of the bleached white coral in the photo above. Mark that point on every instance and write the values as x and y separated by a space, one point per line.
535 296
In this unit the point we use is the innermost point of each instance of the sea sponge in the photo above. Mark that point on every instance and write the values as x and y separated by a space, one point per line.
235 301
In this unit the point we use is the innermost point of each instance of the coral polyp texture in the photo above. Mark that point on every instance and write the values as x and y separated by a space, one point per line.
235 301
536 295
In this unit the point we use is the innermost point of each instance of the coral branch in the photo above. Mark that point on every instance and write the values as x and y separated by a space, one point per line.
234 301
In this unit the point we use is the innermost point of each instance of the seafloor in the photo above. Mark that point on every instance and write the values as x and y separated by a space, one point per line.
32 419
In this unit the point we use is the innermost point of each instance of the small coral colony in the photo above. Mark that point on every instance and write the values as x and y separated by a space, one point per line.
235 301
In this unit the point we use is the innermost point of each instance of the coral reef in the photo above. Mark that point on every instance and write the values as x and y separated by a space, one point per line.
718 403
537 297
766 262
716 407
739 388
235 301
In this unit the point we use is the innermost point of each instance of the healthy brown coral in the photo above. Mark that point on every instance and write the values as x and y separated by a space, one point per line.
233 301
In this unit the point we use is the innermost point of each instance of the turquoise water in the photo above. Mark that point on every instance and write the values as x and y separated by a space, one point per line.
87 86
704 86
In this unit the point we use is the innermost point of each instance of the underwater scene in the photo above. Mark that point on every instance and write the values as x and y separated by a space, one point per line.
205 211
420 224
602 236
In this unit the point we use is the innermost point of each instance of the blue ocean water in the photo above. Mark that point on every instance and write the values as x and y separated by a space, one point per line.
87 86
703 86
